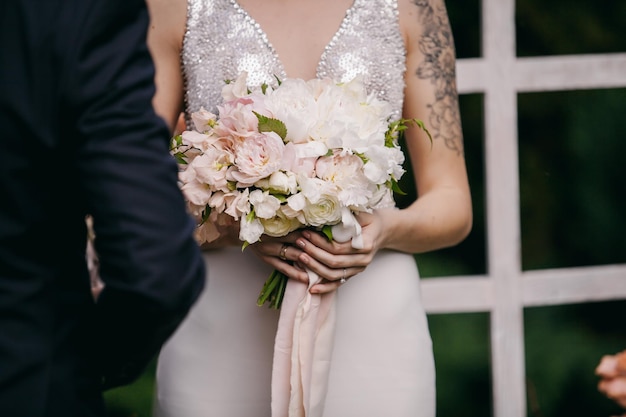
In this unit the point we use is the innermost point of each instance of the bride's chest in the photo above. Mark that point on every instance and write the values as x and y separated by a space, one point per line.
300 31
222 39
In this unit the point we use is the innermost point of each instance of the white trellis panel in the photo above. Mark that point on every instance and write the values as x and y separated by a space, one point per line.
506 289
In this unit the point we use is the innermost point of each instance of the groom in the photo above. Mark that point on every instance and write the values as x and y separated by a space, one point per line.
78 136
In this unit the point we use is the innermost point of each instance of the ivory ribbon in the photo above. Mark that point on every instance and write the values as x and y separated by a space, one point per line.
302 350
304 339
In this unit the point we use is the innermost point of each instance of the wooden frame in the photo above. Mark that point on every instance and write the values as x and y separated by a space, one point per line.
506 290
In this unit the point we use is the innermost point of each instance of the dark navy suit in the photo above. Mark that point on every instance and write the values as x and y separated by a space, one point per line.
78 135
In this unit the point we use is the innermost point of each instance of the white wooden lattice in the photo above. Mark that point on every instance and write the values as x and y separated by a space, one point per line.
506 289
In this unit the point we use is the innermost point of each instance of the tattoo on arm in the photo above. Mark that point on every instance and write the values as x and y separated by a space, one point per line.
437 46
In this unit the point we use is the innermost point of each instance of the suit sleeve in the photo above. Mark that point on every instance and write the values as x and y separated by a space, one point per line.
151 266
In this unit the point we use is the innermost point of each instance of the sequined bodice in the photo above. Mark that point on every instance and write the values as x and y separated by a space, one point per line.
222 40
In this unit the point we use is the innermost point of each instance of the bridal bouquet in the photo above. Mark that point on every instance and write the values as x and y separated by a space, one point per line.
302 154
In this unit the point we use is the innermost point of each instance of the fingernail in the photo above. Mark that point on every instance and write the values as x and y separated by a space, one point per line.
304 258
300 243
306 234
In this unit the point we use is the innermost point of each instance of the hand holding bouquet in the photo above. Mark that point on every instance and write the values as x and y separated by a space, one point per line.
301 154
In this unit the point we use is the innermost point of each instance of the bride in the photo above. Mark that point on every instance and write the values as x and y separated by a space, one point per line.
219 362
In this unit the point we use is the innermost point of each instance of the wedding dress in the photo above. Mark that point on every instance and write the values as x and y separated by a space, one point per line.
219 362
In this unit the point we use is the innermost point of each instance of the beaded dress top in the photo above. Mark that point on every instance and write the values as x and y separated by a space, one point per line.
222 40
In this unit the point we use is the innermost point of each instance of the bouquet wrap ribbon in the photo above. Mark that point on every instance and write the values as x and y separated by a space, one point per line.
302 350
304 341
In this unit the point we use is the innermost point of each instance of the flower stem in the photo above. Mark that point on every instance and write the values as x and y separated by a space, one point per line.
273 290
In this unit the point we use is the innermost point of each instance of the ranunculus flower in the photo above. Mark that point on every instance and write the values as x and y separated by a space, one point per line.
326 210
280 224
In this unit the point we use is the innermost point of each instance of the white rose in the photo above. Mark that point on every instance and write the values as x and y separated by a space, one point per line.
280 225
325 211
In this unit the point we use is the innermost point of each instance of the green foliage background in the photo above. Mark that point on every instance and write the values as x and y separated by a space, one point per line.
571 147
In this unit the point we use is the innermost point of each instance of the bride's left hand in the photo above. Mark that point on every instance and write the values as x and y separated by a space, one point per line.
337 262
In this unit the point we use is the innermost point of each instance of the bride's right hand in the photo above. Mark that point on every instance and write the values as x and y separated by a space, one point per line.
282 254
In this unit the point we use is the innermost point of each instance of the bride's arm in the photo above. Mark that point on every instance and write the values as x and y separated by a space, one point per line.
442 214
165 39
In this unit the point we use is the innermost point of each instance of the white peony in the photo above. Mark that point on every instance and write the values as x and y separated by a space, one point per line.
294 104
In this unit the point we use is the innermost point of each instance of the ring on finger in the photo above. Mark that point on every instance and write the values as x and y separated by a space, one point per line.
283 252
343 278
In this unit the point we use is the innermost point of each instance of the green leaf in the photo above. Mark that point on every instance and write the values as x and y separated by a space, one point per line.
177 141
279 196
395 187
397 128
422 126
205 213
328 232
180 158
267 124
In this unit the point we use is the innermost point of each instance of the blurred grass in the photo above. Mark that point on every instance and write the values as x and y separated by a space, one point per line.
134 400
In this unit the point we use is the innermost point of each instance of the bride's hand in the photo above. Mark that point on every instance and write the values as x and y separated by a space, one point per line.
337 262
282 254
